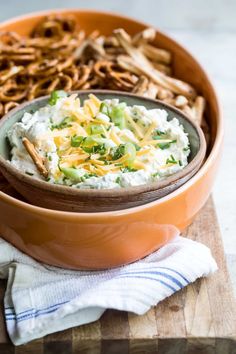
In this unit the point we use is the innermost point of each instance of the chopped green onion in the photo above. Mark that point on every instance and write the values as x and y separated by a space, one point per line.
95 129
158 134
118 152
118 180
96 149
171 160
91 144
155 174
164 146
56 95
137 147
94 139
131 151
104 108
65 123
117 115
76 140
74 174
123 149
129 169
29 173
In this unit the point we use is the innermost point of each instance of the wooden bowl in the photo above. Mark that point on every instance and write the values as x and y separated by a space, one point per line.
59 197
110 239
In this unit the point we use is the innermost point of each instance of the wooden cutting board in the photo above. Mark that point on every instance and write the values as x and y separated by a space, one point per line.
198 319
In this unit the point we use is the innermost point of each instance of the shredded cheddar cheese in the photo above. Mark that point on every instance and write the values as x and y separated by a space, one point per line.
104 144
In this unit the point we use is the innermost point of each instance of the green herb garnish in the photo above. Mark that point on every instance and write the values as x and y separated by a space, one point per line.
158 134
76 140
96 149
164 146
65 123
117 115
56 95
96 129
137 147
104 108
123 149
171 160
29 173
118 152
74 174
128 169
155 174
118 180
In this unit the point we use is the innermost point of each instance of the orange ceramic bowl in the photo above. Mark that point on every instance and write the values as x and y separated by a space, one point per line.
109 239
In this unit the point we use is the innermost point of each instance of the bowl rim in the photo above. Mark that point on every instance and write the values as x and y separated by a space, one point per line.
200 173
111 192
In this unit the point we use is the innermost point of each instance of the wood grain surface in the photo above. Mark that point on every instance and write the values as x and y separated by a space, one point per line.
198 319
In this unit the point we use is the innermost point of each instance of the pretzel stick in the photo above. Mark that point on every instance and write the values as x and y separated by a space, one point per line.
146 35
80 50
165 69
163 93
18 57
188 110
151 91
58 55
125 62
141 85
142 63
124 81
155 54
180 101
37 159
133 52
15 50
198 109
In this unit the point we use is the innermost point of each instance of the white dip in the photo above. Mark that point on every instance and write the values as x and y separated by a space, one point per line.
100 144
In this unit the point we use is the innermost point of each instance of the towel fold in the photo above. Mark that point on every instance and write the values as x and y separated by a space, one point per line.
42 299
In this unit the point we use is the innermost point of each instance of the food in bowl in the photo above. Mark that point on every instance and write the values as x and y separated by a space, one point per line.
64 197
100 144
78 240
59 55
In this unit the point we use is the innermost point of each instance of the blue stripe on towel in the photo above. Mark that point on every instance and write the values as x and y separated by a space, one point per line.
27 314
174 280
149 278
55 307
175 271
33 315
33 312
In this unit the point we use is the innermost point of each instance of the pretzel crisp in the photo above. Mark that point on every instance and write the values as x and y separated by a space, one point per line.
37 159
58 55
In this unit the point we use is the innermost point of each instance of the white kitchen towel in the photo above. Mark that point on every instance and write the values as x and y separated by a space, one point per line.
41 299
